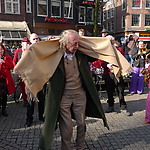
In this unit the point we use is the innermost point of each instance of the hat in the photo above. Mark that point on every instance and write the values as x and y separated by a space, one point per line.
25 39
104 31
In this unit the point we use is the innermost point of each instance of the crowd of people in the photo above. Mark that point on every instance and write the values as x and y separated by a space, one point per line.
70 89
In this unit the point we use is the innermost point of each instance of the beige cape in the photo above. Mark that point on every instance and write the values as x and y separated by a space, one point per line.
39 62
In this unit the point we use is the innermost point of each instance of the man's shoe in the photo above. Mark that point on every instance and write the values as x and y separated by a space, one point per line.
28 123
110 109
126 112
4 113
25 104
123 107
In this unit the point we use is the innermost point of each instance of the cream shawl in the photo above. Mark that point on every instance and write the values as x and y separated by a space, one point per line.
39 62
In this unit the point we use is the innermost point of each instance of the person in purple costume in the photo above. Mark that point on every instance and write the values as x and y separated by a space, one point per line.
137 80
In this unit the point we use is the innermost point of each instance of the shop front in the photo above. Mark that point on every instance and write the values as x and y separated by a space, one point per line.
12 32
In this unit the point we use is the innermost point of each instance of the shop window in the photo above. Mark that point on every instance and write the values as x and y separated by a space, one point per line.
42 7
15 34
81 14
28 6
135 19
89 15
68 10
136 3
147 3
56 8
6 34
147 19
12 6
23 34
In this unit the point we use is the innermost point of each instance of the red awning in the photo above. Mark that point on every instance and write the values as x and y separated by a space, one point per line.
144 38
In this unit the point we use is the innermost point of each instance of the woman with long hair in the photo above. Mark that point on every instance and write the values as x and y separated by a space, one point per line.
7 86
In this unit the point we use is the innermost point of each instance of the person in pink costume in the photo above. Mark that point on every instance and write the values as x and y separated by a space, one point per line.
147 113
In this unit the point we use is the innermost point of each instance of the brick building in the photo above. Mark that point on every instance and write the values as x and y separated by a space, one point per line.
123 17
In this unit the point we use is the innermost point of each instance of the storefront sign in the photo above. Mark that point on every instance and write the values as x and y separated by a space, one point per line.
89 3
56 19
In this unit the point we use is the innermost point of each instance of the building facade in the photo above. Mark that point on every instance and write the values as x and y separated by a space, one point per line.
19 18
51 17
123 17
15 20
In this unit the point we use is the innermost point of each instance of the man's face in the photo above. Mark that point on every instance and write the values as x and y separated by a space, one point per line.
25 45
141 45
72 45
81 33
34 38
104 34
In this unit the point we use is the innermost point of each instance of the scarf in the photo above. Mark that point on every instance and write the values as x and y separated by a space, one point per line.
40 61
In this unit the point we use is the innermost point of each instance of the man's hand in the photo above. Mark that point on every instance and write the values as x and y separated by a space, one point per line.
109 66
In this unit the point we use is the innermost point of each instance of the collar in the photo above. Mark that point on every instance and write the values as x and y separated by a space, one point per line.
69 56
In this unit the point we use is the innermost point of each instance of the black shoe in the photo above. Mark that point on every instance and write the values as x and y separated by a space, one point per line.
123 107
28 123
110 109
4 113
126 112
42 119
25 104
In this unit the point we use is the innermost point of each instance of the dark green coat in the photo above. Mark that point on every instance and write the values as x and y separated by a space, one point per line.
55 91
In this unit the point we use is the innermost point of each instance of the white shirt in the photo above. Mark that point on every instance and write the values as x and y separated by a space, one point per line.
69 56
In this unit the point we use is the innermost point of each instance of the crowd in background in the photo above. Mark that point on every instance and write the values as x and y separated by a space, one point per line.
135 52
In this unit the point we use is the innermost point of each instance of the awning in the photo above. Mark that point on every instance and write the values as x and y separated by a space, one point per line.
14 30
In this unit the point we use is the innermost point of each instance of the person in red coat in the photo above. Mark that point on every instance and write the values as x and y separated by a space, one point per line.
7 86
17 56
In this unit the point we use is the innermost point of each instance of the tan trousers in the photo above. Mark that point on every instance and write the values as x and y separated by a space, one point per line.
75 99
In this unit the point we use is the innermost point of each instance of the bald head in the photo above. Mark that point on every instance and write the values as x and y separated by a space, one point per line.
34 38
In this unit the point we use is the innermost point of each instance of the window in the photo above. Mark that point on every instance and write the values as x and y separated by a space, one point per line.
81 14
136 3
89 14
112 12
68 10
104 16
147 3
15 34
135 19
123 4
42 7
123 21
99 17
147 19
56 8
108 13
28 6
12 6
109 26
112 26
6 34
0 6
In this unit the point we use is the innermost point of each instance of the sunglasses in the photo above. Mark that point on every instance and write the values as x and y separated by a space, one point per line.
35 38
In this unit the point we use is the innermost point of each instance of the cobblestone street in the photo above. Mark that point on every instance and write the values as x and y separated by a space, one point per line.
126 132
